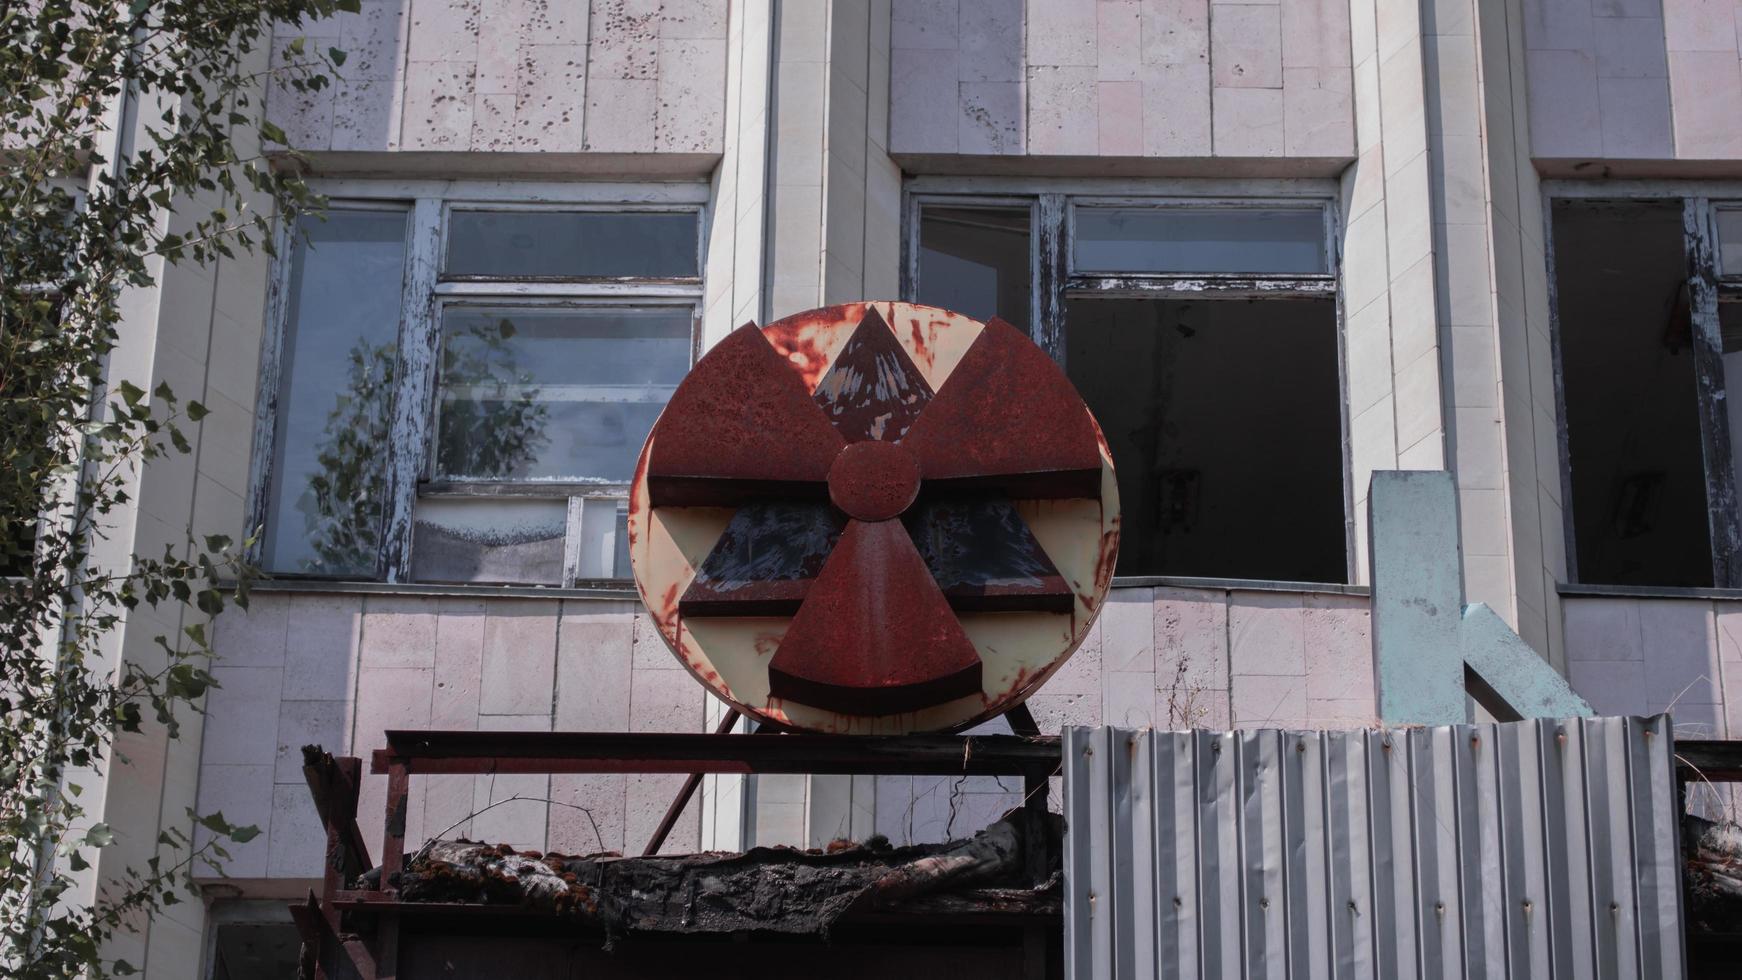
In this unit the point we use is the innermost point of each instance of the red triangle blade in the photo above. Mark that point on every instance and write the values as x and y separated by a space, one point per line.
741 427
1008 420
875 635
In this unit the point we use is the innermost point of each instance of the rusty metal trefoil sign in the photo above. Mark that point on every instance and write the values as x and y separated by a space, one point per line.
874 518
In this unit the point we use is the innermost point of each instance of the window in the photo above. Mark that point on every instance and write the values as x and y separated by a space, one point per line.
251 940
459 389
1648 315
1204 337
339 351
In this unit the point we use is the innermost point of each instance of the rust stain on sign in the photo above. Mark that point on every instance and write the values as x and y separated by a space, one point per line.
875 517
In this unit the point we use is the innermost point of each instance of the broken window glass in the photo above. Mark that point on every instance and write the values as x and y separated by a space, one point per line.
1730 241
489 539
554 394
1637 471
976 260
571 244
1187 240
1224 419
336 366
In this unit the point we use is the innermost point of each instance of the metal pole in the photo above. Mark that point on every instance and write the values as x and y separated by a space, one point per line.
690 783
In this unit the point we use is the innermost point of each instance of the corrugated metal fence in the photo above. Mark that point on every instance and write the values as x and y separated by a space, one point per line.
1521 850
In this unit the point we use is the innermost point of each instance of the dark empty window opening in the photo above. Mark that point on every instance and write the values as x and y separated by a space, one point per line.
1637 471
1223 418
1205 340
254 950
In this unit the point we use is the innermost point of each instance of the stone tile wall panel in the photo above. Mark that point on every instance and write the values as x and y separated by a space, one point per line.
1635 79
528 76
1163 657
337 670
1122 78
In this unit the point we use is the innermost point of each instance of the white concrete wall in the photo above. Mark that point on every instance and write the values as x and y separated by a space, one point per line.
1652 80
1644 656
535 76
337 670
1122 78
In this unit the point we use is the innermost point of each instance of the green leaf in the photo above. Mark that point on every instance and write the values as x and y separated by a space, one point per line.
243 835
197 411
131 393
337 55
271 133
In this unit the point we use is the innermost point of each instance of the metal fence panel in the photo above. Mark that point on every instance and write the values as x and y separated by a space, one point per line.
1527 849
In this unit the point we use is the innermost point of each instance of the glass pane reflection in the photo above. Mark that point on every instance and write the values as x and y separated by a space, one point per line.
554 244
1289 241
976 261
335 394
554 394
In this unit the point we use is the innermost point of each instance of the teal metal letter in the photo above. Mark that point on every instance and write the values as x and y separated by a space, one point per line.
1423 634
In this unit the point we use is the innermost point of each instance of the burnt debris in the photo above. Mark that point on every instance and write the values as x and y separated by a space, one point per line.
768 889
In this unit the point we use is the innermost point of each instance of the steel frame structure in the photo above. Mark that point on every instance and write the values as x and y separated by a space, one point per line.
361 927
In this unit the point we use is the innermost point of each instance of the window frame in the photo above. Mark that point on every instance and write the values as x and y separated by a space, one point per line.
1707 289
1052 205
425 293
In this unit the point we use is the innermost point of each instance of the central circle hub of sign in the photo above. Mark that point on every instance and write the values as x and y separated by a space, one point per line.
874 481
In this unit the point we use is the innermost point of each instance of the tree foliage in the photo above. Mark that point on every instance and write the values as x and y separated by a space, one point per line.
113 116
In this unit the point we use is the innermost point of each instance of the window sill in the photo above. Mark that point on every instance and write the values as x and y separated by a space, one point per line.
611 589
1569 590
1234 585
620 589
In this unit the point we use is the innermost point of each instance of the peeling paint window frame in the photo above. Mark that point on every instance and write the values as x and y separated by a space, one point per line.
1707 289
594 509
1052 203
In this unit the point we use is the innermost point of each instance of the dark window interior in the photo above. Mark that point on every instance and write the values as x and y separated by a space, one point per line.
255 951
976 261
1225 425
1638 482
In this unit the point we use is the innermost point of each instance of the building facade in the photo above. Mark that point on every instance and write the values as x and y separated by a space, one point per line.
1276 245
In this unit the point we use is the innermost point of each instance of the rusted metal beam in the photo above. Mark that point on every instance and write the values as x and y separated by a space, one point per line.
464 752
661 832
335 784
317 938
1709 760
393 837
